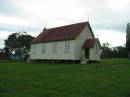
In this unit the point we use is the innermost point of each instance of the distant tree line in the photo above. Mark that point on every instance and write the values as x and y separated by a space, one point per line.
2 54
113 52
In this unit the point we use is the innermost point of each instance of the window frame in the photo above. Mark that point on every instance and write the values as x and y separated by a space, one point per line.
34 49
44 48
67 46
54 47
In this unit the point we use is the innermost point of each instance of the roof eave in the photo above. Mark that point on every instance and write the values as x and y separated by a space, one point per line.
53 41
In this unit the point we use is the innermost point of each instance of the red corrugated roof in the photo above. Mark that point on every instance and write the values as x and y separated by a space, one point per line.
67 32
89 43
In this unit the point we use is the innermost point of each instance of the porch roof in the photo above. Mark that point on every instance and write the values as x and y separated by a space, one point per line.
89 43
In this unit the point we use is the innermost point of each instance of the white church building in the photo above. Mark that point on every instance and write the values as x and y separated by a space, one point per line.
70 43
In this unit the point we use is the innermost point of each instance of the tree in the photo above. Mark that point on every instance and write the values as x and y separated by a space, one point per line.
119 52
7 52
106 51
113 52
128 45
19 43
128 39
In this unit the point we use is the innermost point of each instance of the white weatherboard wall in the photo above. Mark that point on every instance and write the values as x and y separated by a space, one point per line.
95 52
36 51
85 34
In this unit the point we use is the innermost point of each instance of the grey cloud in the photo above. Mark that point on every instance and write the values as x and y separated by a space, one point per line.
100 13
103 16
14 28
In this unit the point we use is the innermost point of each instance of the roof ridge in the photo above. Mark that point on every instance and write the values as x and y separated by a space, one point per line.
67 25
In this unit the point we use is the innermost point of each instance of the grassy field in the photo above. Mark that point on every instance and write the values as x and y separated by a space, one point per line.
110 78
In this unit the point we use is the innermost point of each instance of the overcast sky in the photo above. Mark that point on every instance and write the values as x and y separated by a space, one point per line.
108 18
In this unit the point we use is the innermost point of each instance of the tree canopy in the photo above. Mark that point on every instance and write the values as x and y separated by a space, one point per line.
18 43
113 52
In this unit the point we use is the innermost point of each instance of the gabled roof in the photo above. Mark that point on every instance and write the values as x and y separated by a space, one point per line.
67 32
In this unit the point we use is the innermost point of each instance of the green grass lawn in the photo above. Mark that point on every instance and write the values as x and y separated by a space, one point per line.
110 78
